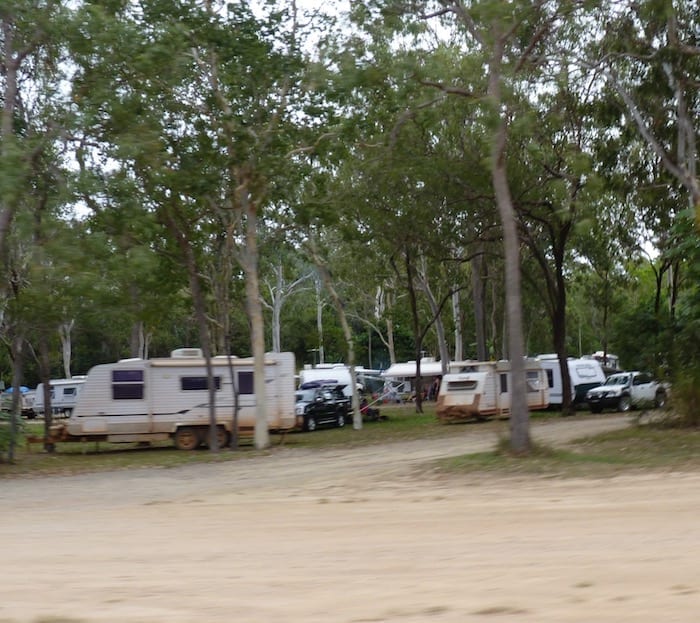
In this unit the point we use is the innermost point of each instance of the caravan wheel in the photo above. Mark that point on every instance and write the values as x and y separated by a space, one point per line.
186 438
222 437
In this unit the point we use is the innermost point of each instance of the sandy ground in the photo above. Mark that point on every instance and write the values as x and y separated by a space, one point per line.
351 536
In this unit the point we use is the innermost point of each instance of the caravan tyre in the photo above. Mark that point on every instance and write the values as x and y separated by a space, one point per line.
222 437
186 438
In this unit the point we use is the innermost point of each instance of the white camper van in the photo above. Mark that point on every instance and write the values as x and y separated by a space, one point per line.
158 399
584 374
64 395
339 374
481 389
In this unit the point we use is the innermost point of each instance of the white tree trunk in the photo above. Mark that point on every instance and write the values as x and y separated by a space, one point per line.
457 319
64 332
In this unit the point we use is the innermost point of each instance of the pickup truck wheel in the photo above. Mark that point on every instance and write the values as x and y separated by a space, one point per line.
660 400
310 423
624 404
186 438
340 421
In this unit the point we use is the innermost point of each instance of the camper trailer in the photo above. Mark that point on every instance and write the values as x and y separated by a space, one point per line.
481 389
64 395
143 400
584 374
25 401
401 377
339 374
610 363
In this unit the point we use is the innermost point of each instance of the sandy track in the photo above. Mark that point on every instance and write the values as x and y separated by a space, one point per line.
351 536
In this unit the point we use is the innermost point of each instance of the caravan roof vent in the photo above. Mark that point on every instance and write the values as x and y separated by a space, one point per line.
186 352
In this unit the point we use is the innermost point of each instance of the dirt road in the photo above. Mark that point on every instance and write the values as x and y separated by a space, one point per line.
351 536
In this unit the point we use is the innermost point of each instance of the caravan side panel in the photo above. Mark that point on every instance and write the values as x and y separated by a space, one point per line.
281 391
156 397
113 400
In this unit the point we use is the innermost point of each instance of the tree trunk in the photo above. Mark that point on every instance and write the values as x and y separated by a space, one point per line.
347 333
418 335
319 321
457 319
439 326
17 351
10 63
255 316
200 318
519 415
478 297
45 378
64 331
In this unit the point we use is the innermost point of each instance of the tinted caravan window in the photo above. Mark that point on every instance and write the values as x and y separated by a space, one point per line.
194 383
127 384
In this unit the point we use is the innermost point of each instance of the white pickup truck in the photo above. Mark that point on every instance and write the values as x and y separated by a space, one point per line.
625 390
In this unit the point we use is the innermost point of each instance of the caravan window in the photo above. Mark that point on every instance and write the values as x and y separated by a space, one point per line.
532 380
69 391
504 383
194 383
586 371
127 384
245 383
461 385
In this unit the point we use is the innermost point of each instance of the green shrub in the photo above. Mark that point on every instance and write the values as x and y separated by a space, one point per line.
6 433
685 398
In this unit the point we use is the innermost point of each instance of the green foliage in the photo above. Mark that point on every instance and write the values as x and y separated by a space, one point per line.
7 433
370 153
685 399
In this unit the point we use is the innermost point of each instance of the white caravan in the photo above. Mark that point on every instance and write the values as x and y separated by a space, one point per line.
610 363
26 402
142 400
329 373
584 374
64 395
401 377
481 389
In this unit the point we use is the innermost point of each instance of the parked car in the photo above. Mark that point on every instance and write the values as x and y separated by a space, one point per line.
319 404
626 390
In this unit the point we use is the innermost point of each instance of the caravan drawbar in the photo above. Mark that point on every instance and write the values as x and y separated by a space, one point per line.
145 400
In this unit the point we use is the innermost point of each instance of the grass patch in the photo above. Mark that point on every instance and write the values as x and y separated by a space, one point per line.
636 448
640 448
82 457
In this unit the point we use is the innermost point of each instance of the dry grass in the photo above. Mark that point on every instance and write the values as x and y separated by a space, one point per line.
641 447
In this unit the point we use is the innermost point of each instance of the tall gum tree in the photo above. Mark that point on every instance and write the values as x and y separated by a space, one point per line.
507 39
650 56
206 138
